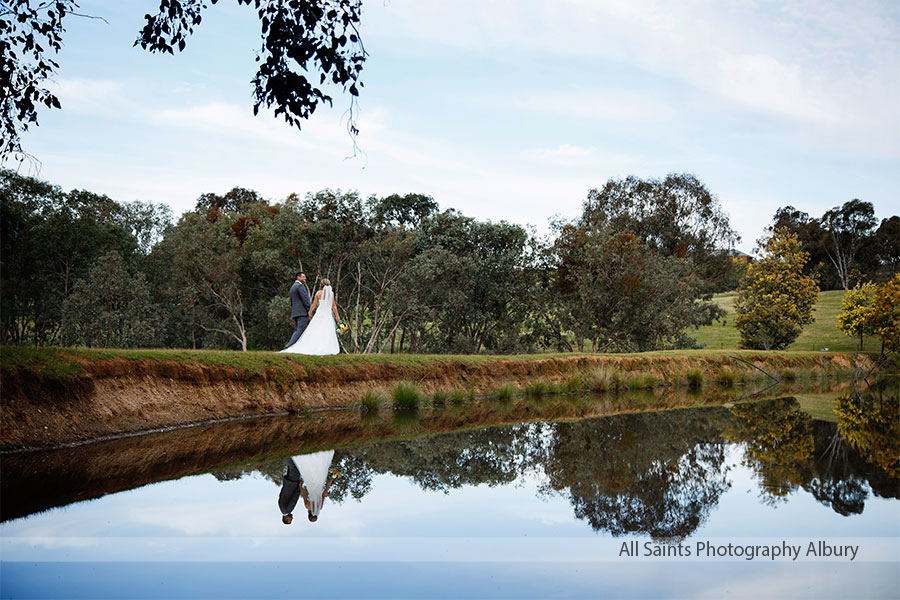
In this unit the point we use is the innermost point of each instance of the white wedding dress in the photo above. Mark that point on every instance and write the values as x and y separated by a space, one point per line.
314 472
320 336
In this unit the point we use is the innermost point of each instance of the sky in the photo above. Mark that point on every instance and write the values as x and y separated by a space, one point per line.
504 110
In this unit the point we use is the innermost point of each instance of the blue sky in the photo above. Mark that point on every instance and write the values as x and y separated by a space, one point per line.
502 109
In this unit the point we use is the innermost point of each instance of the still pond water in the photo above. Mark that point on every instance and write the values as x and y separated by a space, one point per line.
752 499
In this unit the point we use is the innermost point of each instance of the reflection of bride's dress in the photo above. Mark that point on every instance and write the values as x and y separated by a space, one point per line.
314 472
320 336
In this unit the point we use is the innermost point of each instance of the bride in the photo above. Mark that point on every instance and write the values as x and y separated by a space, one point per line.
320 336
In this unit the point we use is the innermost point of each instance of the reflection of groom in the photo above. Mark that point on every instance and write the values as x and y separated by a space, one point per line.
290 491
299 307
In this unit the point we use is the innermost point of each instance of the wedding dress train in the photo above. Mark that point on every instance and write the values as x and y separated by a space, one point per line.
314 472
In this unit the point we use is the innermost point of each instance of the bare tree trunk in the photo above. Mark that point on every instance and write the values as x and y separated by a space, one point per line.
841 260
356 317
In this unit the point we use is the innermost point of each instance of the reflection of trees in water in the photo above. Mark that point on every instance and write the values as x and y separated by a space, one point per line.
492 456
788 450
870 423
657 473
778 444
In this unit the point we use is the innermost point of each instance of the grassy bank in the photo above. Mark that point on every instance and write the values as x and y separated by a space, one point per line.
70 365
52 396
822 333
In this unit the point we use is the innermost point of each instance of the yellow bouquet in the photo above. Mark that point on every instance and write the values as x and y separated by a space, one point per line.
343 327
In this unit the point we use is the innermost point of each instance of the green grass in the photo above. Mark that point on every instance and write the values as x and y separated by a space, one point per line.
822 333
406 397
55 364
819 406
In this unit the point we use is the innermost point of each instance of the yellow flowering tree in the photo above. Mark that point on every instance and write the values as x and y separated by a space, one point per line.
885 315
855 317
775 299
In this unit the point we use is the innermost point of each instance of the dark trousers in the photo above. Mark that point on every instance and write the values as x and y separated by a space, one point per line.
300 324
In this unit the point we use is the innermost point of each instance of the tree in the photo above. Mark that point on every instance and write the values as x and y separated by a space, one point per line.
887 244
885 315
855 317
25 31
809 231
207 260
111 308
775 299
474 277
677 216
300 40
50 240
844 229
623 295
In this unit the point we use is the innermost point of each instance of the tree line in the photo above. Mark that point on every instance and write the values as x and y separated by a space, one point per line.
635 271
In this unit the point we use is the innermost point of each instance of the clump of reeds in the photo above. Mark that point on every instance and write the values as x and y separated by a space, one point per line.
440 398
642 382
406 397
726 379
458 396
371 402
694 379
503 393
579 382
616 382
597 380
787 375
539 388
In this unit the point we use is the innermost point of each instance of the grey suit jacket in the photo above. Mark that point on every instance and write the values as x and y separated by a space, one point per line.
299 300
290 488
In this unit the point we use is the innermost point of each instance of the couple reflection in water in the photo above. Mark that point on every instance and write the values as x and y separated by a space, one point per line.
307 476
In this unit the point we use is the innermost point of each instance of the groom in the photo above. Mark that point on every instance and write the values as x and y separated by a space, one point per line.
299 307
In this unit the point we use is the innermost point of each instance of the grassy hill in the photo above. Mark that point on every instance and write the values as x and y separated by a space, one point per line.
823 333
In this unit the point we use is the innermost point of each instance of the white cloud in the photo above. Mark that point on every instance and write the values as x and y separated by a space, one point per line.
88 95
596 105
832 67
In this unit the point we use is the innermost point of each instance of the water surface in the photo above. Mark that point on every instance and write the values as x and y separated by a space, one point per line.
641 504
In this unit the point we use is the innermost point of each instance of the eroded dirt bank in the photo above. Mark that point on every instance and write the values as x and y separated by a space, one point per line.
110 395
